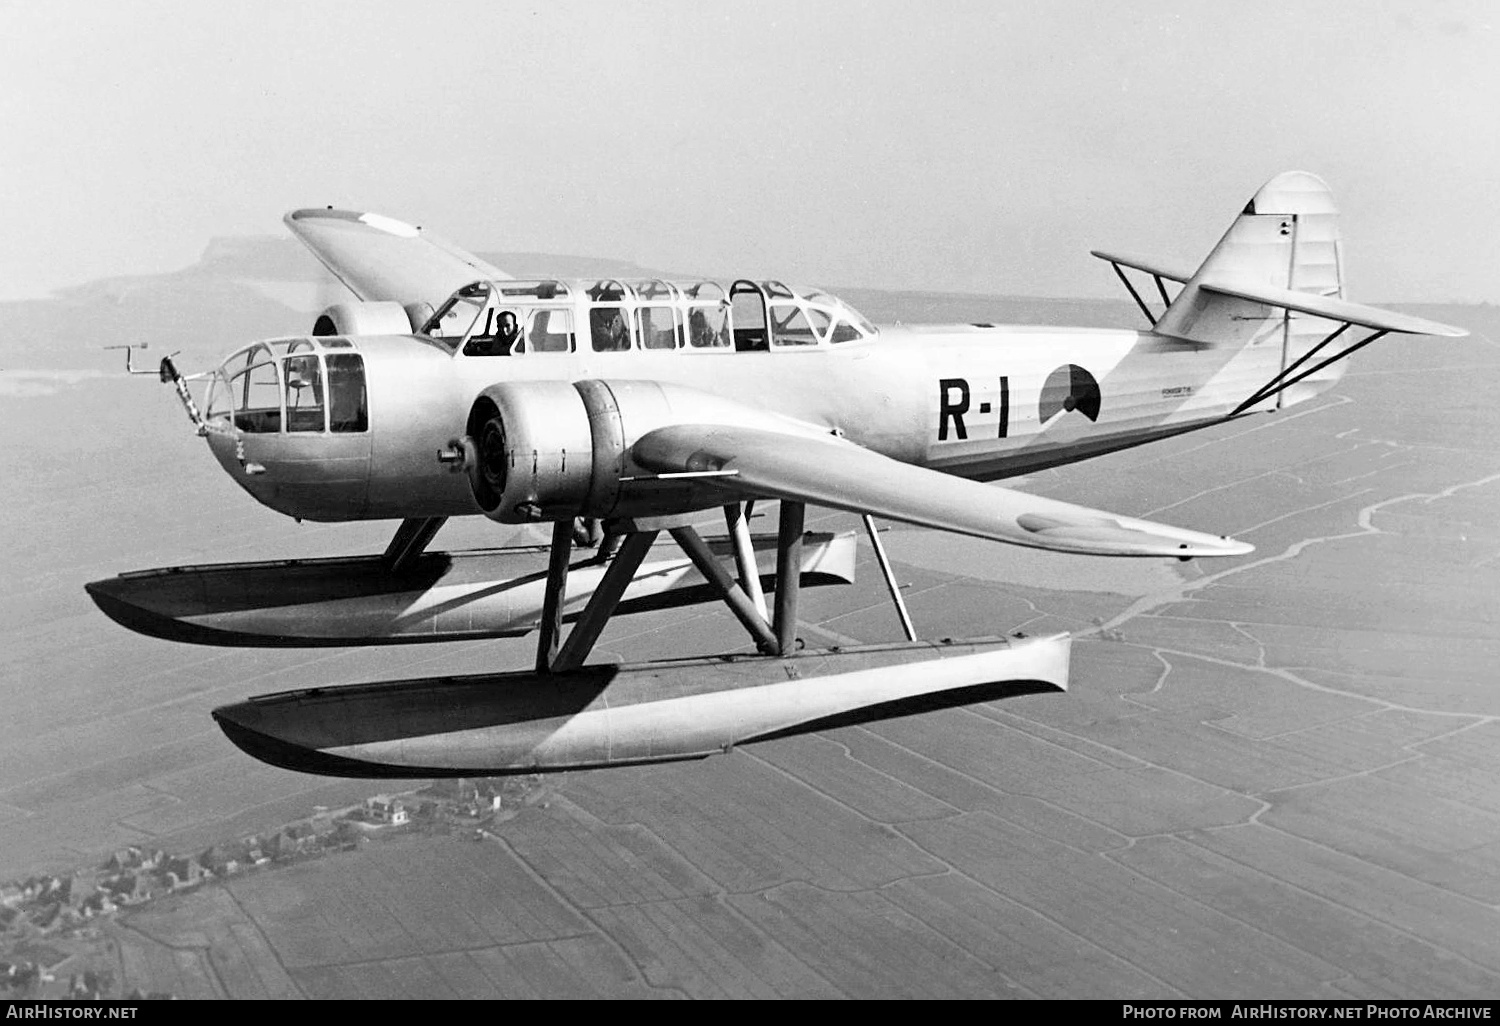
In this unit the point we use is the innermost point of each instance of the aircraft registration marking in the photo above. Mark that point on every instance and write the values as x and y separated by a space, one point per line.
952 410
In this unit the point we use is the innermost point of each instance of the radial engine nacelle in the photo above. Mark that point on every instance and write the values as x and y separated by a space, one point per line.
354 318
551 450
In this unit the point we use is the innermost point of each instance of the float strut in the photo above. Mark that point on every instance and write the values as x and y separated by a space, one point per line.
733 595
737 518
788 574
412 538
602 603
890 578
548 638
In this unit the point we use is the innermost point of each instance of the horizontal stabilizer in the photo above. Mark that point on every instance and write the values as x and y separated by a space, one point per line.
1332 308
381 259
842 475
1154 267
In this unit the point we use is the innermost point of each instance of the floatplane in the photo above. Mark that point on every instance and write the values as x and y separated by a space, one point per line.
447 388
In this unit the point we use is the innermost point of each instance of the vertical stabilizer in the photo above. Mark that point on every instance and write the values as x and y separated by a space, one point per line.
1267 307
1287 238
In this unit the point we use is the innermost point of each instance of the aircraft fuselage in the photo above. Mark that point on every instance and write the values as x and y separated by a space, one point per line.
979 402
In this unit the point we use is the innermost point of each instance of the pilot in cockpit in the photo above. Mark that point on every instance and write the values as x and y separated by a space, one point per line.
507 336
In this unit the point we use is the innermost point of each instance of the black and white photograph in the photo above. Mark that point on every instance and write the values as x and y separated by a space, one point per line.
791 500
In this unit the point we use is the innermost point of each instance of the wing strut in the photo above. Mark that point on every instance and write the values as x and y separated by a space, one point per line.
1285 378
737 519
602 603
733 595
774 637
556 596
890 578
1160 273
410 541
1137 296
788 585
556 656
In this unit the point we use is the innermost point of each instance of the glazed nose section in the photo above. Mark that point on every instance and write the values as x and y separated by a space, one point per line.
289 420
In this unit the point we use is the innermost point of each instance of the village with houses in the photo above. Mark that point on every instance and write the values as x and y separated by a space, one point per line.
54 926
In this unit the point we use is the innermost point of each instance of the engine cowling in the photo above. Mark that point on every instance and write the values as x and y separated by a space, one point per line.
551 450
365 319
529 451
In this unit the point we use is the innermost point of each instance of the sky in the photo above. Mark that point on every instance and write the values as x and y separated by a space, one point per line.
943 145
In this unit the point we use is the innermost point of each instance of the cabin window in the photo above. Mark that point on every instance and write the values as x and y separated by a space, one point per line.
220 398
461 314
609 329
791 327
749 308
501 335
708 327
843 331
304 393
653 289
257 391
550 331
347 407
849 326
660 327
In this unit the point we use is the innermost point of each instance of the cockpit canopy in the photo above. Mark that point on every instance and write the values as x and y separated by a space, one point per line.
513 318
292 385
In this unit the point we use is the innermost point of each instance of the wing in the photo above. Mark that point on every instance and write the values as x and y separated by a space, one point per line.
382 259
843 475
